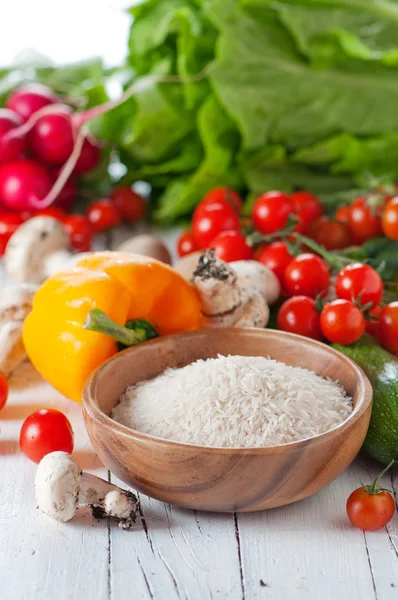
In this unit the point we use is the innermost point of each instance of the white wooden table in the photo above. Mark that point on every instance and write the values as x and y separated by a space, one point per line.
304 551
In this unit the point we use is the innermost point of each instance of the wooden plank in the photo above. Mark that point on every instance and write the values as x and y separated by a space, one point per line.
382 545
174 553
38 557
311 548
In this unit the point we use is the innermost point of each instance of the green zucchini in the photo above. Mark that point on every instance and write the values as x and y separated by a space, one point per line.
381 367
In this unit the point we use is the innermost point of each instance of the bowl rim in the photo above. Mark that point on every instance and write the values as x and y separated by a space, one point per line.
365 397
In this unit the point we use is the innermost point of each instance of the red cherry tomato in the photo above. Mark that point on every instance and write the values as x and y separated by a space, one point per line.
3 390
131 205
370 510
389 219
332 235
271 212
9 222
343 214
186 244
222 195
364 221
299 315
45 431
372 321
387 330
210 220
307 207
231 246
276 257
359 282
103 215
51 211
307 275
80 232
342 322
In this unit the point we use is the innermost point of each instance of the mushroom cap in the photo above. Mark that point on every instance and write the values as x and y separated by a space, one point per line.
254 274
15 305
29 247
147 245
57 485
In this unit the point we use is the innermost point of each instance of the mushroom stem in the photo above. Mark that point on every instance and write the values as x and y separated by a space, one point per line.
107 500
216 283
135 332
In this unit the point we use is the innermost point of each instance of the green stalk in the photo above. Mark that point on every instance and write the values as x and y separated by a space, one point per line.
137 331
373 489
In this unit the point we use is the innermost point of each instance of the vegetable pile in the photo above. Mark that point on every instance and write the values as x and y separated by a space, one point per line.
330 295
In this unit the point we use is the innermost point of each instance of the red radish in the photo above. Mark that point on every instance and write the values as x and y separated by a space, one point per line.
23 183
51 137
89 158
10 148
27 100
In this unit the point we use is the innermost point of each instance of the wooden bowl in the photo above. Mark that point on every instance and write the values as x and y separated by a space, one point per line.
224 479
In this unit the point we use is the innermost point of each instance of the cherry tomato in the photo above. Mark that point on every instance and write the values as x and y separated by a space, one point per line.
372 321
103 215
358 282
3 390
186 244
9 222
271 212
370 510
51 211
131 205
299 315
389 219
387 331
232 245
342 322
276 257
343 214
364 221
45 431
221 195
80 232
332 235
210 220
307 207
307 275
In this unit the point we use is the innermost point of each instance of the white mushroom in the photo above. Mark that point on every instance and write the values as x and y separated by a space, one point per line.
224 301
38 248
253 274
61 487
186 265
216 283
15 305
147 245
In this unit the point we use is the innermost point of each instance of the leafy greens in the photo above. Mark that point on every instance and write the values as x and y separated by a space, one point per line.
295 94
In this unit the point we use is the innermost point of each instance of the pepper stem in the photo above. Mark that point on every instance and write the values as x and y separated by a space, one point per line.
137 331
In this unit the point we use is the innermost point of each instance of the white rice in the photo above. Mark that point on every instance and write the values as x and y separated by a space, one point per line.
234 401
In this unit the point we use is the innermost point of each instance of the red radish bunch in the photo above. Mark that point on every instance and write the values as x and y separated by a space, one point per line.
39 141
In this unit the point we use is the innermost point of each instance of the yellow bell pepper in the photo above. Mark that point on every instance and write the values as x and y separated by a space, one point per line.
125 287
